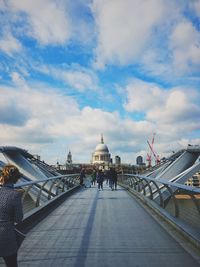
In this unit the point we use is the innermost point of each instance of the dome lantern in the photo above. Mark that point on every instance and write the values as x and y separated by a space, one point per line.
102 142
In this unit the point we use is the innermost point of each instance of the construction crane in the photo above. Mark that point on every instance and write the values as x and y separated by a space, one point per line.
152 152
149 159
149 155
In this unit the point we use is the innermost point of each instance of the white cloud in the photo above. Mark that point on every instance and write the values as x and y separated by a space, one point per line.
183 35
195 5
155 35
177 109
125 28
18 79
80 80
173 112
48 22
142 96
2 4
185 46
75 76
9 44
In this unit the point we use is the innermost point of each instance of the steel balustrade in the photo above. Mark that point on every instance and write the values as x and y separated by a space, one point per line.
154 187
44 190
173 202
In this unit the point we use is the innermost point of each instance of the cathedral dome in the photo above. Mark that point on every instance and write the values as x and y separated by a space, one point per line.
101 154
102 148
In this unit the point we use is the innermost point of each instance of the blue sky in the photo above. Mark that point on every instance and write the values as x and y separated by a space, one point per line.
71 70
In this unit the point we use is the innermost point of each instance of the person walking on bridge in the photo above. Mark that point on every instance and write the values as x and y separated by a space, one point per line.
11 212
93 176
100 179
112 174
82 176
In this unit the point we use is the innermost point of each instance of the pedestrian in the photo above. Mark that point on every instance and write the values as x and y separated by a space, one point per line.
82 176
110 181
114 174
113 178
107 176
100 179
11 212
93 176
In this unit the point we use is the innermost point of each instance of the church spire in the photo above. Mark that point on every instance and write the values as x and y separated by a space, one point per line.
102 142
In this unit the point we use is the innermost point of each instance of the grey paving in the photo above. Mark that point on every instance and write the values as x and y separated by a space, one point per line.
101 228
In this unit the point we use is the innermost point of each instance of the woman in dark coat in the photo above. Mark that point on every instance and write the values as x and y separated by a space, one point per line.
82 176
10 212
100 179
112 174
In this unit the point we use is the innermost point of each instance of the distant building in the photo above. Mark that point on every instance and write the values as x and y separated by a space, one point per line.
69 158
117 160
101 155
139 160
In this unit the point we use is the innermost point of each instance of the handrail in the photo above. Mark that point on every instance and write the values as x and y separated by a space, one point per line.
160 190
18 185
162 181
43 190
175 202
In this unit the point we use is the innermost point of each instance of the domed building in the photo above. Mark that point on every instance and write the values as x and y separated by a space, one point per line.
101 155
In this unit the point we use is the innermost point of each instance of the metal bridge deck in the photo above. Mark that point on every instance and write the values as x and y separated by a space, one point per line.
101 229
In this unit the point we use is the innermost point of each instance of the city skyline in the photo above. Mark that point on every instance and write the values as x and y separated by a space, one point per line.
71 70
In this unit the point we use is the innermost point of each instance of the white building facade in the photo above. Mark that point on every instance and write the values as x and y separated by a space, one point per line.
101 155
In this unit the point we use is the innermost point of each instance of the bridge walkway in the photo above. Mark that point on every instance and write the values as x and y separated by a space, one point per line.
101 229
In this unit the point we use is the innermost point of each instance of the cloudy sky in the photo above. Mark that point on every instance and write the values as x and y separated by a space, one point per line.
71 70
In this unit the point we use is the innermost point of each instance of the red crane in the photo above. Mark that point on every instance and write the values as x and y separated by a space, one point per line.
152 151
149 155
149 159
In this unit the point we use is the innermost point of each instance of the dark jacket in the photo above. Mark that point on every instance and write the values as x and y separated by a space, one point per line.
10 212
112 175
100 176
82 174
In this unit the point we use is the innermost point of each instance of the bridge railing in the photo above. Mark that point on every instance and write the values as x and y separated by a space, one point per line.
180 202
37 193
